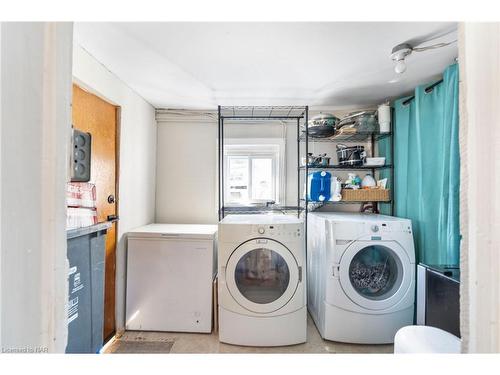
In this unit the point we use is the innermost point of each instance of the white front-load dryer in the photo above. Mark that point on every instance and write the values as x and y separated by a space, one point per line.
361 271
262 280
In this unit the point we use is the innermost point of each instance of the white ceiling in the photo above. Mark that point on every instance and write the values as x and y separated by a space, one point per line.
201 65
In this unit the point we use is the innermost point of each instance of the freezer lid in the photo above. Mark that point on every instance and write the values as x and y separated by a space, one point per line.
181 231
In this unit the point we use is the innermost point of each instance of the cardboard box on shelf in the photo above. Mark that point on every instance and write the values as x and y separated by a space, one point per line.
80 194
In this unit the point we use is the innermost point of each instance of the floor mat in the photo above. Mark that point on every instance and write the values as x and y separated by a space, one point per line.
140 347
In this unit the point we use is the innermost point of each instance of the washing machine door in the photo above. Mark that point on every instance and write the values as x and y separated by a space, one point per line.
262 275
375 274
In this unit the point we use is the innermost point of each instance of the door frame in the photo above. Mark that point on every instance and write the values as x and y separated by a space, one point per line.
82 85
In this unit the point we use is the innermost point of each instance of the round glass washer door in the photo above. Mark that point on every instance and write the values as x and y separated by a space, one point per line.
262 275
375 274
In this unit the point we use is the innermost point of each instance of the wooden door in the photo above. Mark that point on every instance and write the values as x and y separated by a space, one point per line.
98 117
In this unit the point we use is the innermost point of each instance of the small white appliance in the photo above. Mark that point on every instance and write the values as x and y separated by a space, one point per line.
361 268
262 281
170 273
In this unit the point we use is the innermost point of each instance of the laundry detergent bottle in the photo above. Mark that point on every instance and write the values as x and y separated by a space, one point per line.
319 186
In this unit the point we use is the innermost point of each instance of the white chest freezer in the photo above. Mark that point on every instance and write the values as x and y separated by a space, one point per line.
170 273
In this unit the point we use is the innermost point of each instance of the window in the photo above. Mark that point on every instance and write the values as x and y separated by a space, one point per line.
252 173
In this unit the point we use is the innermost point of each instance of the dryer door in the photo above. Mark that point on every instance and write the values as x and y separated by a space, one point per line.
262 275
375 274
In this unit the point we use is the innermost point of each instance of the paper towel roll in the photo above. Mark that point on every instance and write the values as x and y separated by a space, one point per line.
384 118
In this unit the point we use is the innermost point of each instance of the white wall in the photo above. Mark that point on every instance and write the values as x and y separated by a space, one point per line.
186 188
479 54
186 184
35 130
137 160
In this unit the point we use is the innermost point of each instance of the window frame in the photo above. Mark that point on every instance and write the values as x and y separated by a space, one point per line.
257 148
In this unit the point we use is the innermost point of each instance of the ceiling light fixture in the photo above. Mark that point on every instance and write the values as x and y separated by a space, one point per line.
398 55
401 51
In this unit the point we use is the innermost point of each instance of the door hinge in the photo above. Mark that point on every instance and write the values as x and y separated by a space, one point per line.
300 274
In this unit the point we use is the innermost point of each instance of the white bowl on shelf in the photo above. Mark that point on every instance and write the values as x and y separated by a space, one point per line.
375 162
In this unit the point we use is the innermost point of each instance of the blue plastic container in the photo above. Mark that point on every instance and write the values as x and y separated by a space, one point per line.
319 186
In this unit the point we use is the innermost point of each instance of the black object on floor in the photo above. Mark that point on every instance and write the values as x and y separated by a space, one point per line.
438 297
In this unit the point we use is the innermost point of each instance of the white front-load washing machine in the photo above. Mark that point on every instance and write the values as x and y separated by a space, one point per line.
361 276
262 280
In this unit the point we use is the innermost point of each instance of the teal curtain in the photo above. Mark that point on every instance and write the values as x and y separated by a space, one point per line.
427 169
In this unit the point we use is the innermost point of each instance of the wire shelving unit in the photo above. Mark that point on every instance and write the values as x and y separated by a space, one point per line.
350 137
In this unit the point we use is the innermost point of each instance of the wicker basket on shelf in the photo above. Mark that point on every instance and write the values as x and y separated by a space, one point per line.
366 195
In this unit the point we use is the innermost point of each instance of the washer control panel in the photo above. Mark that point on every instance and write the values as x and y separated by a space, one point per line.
383 227
278 231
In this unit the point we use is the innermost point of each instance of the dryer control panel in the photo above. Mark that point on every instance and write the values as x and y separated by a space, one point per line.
285 232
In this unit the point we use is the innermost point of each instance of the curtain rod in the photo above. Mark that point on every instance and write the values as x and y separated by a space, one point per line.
427 90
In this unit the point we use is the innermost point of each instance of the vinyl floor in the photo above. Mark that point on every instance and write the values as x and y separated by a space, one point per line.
175 342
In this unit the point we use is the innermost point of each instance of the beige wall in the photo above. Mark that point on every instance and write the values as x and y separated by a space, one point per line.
479 54
186 184
187 187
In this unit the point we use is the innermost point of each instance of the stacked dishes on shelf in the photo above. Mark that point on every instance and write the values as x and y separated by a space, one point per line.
326 125
363 122
322 125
